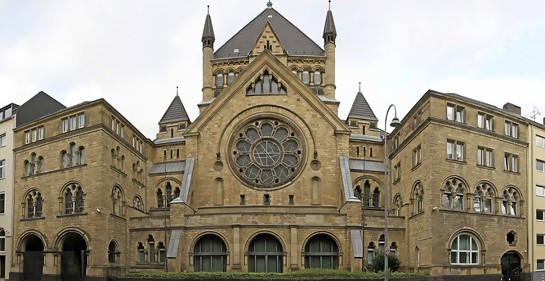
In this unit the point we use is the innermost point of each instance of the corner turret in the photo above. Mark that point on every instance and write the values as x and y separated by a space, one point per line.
207 39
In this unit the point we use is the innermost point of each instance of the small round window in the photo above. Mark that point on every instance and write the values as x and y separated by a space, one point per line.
267 153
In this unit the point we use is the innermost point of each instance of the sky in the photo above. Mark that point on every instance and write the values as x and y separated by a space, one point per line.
134 53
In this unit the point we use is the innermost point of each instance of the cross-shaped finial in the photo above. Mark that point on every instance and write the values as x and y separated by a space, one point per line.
176 90
359 90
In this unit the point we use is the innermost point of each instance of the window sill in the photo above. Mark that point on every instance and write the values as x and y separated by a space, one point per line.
486 167
32 219
463 162
416 166
71 215
512 172
396 181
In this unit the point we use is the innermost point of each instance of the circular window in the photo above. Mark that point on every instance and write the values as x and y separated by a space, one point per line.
267 153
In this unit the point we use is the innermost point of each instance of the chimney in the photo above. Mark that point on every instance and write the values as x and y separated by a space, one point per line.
512 108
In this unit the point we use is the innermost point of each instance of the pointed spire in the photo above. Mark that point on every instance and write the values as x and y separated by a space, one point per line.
175 112
361 108
208 37
330 33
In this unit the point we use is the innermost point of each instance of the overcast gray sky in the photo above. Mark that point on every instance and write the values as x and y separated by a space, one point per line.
134 53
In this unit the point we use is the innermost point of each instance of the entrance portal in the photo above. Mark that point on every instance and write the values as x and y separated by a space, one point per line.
73 258
33 259
510 266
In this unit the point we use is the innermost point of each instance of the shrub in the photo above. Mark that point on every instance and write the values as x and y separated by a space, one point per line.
378 262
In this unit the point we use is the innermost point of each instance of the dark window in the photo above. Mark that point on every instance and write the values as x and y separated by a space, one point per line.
321 252
265 254
210 254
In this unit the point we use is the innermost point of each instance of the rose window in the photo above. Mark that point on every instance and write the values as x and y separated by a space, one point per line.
267 153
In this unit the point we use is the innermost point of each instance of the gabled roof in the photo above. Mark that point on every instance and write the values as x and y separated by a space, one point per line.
294 41
361 109
175 112
36 107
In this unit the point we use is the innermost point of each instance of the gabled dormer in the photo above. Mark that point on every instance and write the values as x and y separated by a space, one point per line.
268 40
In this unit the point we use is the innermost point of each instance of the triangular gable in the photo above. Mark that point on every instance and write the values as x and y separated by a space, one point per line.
294 41
267 40
294 86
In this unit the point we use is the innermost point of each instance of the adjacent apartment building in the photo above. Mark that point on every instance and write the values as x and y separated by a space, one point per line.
7 123
536 194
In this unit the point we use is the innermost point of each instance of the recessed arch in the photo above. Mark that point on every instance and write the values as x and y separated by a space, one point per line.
29 234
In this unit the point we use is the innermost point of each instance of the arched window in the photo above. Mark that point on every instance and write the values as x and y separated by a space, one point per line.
40 165
366 192
376 197
230 77
453 195
26 166
381 244
82 155
112 252
370 252
266 84
265 254
418 197
2 240
510 201
168 193
151 248
399 204
176 192
321 252
140 253
219 80
464 250
73 200
484 194
73 155
210 254
357 192
33 201
160 200
33 163
306 77
65 161
162 252
69 205
317 78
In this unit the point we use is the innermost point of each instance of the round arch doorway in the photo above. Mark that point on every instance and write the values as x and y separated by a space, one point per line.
33 258
73 257
510 266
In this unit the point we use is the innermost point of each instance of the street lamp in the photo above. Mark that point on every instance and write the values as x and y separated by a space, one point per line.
395 123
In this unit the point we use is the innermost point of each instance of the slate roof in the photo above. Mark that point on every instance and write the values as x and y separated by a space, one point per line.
361 109
329 27
175 112
293 40
36 107
208 31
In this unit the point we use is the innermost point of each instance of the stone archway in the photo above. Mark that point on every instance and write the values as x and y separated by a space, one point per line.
73 257
33 258
511 266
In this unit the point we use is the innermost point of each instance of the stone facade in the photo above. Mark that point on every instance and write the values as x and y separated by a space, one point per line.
267 178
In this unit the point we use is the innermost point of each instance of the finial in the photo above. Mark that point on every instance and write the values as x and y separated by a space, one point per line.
359 90
176 90
208 9
269 4
330 4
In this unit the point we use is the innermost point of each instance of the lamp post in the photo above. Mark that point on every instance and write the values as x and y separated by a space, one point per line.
395 123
